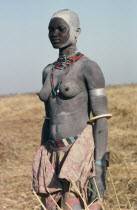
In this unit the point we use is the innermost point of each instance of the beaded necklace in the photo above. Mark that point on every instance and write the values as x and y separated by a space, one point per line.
62 63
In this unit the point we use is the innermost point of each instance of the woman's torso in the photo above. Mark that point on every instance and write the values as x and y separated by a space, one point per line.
68 110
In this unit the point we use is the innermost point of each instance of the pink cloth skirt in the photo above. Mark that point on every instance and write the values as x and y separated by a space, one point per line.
74 163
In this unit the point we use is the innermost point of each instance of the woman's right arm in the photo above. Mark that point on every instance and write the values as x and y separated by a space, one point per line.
42 96
45 131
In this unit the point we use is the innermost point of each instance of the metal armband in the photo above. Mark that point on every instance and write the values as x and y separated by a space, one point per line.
97 92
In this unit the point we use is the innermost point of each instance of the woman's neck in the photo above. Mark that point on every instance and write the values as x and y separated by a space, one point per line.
68 50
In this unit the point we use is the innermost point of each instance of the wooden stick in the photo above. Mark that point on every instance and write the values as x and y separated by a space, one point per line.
129 202
90 189
38 199
68 206
114 189
83 200
92 202
98 194
55 202
106 205
80 196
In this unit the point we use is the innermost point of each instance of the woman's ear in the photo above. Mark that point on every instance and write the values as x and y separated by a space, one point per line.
78 30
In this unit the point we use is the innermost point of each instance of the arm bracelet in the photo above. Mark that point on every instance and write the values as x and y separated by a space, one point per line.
100 116
100 163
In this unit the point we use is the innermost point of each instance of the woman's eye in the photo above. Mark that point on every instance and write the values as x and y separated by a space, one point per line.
63 29
50 29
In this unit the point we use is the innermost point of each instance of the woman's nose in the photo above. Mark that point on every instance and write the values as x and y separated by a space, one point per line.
55 32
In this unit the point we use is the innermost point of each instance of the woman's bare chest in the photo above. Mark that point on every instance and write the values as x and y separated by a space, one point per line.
67 82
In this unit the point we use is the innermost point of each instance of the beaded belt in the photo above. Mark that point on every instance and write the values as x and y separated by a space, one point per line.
63 142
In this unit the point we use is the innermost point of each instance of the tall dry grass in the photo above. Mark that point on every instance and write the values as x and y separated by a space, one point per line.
20 125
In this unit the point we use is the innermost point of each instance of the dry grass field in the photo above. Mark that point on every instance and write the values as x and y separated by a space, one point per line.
20 132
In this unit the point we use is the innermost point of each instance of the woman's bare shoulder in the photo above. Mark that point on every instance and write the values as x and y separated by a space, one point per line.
89 62
93 73
47 68
46 71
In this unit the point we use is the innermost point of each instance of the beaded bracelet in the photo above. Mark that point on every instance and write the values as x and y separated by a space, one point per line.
100 163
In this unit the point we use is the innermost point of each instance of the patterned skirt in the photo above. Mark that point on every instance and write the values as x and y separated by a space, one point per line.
59 171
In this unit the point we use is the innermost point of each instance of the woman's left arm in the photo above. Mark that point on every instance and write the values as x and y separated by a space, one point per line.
98 105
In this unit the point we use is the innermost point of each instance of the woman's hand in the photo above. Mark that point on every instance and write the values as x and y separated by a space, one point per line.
99 179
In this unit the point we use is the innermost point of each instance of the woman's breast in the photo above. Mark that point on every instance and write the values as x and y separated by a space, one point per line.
46 90
69 89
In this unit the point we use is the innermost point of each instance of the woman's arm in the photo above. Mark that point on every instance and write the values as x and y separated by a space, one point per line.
46 125
45 131
98 105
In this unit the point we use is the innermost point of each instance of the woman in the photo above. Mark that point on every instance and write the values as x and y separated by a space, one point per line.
73 86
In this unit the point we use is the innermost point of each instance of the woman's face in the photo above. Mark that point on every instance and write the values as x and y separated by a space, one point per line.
59 32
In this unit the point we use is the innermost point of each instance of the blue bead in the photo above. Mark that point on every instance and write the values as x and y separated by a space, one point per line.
100 163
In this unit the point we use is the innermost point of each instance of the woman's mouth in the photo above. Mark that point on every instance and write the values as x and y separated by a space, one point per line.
55 41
